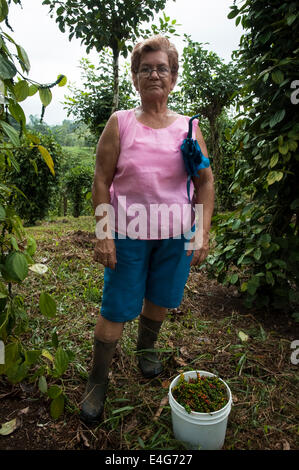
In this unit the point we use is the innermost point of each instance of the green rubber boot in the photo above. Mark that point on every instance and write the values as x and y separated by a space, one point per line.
148 361
97 384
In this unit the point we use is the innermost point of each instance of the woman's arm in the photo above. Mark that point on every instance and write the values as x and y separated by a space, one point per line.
204 194
107 154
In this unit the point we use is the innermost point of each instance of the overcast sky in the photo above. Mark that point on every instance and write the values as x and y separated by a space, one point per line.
50 53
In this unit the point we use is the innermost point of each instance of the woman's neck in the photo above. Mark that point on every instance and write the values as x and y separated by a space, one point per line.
154 109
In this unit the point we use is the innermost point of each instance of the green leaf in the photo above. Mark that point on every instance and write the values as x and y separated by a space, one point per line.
42 384
233 14
3 10
11 133
277 76
277 117
244 286
274 160
47 305
257 254
17 112
45 96
236 224
31 246
283 149
21 90
57 407
48 355
291 19
270 278
16 266
25 64
32 90
274 176
61 362
17 372
234 278
32 356
54 391
7 68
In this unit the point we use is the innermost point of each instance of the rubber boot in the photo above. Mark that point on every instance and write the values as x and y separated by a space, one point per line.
148 361
97 384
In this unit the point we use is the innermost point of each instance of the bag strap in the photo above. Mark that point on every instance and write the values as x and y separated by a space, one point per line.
189 136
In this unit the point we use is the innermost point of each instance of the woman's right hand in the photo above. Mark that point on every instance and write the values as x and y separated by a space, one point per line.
105 252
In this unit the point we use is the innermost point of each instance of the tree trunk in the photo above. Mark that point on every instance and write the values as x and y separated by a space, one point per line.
65 204
115 81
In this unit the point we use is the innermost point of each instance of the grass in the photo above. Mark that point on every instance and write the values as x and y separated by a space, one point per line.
203 333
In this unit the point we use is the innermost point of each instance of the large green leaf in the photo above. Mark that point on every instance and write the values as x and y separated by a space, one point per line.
16 266
61 362
42 384
17 372
21 90
17 112
23 58
57 407
45 96
32 90
3 10
7 68
277 76
11 133
47 305
277 117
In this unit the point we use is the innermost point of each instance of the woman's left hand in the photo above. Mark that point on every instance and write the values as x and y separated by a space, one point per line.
200 254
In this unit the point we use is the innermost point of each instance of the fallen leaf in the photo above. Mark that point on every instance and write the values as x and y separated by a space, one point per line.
285 445
184 351
243 337
38 268
165 383
180 361
24 411
85 440
10 426
163 402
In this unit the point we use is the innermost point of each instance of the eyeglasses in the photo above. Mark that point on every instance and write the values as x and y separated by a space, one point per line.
161 70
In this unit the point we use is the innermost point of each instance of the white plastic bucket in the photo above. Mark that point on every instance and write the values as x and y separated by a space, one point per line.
205 431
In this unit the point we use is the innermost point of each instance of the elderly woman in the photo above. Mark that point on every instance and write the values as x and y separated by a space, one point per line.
139 167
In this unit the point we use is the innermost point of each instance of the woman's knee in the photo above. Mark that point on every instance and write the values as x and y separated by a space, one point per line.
108 331
153 311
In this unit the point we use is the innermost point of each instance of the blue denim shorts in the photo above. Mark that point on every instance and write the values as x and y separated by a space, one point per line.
153 269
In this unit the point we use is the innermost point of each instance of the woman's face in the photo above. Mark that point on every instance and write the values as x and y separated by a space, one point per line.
154 86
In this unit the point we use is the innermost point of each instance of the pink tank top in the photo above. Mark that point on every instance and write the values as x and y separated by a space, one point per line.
149 189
